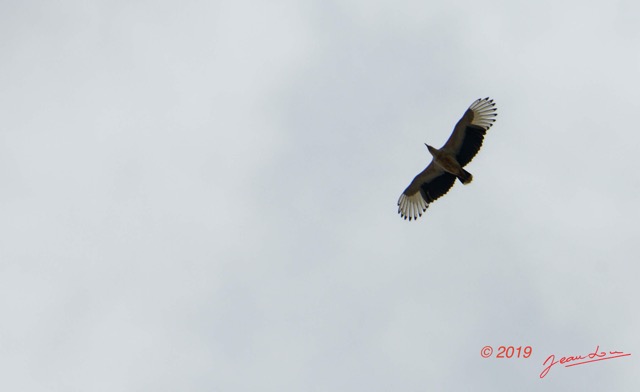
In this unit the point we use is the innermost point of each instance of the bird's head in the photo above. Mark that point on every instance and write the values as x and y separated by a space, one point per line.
431 149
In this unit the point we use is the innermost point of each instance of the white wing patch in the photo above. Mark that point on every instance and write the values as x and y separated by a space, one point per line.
412 206
484 113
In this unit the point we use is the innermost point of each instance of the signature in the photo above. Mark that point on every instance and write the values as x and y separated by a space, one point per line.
591 357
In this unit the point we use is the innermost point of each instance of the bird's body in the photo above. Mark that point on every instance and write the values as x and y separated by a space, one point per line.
448 161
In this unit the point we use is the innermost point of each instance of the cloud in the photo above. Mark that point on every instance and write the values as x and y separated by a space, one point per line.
203 196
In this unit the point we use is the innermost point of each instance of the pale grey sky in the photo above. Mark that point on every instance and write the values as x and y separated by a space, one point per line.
201 196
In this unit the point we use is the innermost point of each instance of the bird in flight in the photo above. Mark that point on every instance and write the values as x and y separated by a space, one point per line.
448 161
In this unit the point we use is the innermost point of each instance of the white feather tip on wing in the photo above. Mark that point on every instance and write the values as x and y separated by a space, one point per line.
484 112
412 207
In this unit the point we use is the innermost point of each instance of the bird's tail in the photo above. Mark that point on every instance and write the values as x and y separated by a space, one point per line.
465 177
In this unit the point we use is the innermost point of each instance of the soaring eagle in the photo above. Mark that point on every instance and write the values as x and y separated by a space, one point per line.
448 162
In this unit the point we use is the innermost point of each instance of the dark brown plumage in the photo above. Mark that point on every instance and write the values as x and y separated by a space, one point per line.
448 161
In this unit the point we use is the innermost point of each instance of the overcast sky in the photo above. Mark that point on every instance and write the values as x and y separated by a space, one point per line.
201 195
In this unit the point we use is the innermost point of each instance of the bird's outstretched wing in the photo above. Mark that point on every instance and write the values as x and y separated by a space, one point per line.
426 187
468 134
